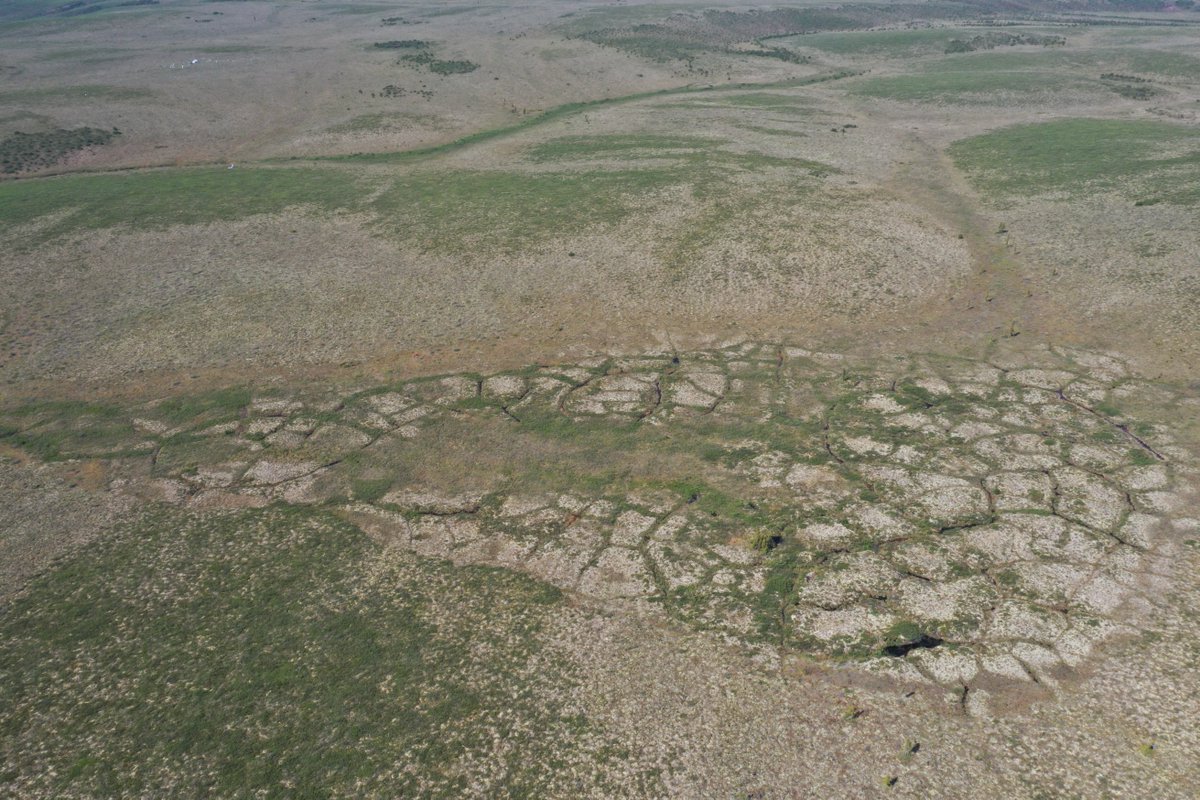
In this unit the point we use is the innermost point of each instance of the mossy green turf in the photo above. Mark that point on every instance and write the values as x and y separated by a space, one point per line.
461 210
158 198
950 84
440 210
1146 161
272 653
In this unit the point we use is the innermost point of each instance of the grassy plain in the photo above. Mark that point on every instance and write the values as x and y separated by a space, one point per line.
1145 161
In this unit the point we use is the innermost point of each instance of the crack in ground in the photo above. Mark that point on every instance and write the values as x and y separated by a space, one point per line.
1122 427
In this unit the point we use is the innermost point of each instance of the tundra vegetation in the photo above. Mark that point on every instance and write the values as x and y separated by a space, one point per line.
571 400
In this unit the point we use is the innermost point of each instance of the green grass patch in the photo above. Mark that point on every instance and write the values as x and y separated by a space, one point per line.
1143 34
990 77
382 121
1141 458
967 87
452 66
403 44
1133 91
909 43
618 145
371 490
353 9
439 66
58 430
706 168
157 199
276 654
717 504
1147 161
463 210
652 45
609 16
27 9
903 631
994 39
207 407
453 210
85 55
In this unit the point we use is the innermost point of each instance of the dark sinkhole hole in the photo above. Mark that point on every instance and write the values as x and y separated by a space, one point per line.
923 641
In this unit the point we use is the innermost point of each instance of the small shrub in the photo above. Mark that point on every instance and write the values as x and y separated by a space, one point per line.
452 67
403 44
424 58
1133 92
765 541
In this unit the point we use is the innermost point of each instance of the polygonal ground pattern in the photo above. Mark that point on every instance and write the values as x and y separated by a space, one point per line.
946 520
